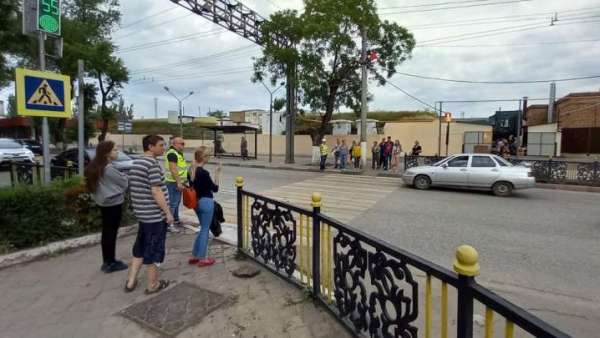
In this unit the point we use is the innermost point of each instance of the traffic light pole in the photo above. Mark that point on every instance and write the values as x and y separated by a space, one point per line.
45 128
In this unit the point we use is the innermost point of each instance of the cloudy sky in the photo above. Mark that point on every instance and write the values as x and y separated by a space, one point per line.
480 40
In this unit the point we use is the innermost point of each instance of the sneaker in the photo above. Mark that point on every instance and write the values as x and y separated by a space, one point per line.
113 267
193 261
173 229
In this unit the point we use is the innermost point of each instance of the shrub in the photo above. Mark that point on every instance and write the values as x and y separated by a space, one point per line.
33 215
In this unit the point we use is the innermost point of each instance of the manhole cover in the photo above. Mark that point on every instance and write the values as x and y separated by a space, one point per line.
175 309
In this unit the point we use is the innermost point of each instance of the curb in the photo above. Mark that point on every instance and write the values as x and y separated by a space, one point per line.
568 187
29 255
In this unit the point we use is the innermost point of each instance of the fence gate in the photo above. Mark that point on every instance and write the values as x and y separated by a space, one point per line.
581 140
541 143
473 139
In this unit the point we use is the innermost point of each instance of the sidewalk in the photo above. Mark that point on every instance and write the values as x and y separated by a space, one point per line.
68 296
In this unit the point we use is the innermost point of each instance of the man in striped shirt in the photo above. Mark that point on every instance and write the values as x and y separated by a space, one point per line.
150 202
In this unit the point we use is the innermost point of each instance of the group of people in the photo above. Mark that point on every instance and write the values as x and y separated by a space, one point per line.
155 197
384 155
506 147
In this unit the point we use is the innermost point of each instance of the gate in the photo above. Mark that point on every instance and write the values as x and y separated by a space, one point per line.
541 144
581 140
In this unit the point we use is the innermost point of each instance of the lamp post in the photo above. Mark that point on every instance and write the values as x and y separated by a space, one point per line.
180 108
271 92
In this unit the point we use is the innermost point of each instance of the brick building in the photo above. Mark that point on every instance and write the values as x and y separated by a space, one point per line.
576 117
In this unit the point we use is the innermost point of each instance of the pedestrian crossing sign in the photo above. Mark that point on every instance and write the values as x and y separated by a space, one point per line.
43 94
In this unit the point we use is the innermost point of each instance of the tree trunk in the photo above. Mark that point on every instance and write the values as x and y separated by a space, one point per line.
317 134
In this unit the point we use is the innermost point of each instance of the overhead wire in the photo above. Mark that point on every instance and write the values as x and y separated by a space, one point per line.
169 41
146 18
154 25
455 7
425 77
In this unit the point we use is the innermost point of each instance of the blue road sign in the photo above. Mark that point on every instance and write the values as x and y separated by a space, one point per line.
43 94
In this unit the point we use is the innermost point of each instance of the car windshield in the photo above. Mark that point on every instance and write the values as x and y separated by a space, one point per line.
439 163
502 162
122 157
10 144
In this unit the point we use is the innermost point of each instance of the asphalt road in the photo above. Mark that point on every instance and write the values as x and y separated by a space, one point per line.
539 248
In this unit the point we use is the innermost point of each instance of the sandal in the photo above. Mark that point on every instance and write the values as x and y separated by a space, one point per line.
130 289
162 284
193 261
206 262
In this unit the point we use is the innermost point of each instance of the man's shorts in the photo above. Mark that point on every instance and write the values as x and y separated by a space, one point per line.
150 242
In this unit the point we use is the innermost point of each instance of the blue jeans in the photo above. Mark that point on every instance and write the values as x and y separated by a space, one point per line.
323 162
204 210
174 199
343 160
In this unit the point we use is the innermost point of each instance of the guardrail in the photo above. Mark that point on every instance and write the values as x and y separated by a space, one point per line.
374 288
30 173
545 171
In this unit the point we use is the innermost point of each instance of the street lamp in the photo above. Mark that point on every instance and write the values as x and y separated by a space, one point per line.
447 119
180 107
271 92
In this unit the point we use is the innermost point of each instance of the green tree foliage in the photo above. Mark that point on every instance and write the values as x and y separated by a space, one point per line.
11 109
216 114
325 44
278 104
89 116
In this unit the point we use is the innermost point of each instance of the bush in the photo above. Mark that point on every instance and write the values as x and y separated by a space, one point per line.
34 215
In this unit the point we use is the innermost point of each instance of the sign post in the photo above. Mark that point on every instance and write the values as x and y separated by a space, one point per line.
44 94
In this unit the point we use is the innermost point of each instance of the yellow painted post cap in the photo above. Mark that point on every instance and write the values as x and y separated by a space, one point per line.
466 262
239 181
316 199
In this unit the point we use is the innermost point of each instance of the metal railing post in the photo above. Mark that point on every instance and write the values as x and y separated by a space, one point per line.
38 173
467 266
596 172
316 238
13 170
239 183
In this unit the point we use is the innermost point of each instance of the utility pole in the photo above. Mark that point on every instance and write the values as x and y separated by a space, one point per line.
439 152
80 119
363 101
45 128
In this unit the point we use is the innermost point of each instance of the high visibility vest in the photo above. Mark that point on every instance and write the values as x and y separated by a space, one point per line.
182 167
324 149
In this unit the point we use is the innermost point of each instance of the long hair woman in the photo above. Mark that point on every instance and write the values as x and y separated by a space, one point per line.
107 186
200 179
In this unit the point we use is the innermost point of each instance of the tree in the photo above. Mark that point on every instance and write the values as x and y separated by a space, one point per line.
325 46
218 114
278 103
11 108
89 117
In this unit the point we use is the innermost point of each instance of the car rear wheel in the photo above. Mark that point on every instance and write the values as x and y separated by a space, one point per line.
422 182
502 189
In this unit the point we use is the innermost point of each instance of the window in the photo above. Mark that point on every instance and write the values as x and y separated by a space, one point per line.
10 144
459 162
502 162
482 162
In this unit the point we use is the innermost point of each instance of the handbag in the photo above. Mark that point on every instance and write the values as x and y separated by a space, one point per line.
189 197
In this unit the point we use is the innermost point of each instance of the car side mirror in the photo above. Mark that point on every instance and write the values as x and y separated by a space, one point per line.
445 165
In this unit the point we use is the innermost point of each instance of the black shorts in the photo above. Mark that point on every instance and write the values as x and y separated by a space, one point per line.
150 242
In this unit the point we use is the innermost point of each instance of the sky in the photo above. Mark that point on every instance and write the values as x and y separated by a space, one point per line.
477 40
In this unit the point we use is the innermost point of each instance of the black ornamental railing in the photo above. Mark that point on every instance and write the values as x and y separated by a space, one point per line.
33 172
374 288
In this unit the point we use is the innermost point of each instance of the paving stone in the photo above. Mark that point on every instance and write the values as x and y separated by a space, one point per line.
246 271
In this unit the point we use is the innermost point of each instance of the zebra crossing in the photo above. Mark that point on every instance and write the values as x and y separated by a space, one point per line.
344 197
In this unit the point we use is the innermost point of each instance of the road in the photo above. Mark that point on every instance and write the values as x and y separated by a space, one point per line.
539 248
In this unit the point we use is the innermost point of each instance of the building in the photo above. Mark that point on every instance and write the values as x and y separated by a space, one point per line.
341 127
505 123
371 126
2 113
572 128
253 117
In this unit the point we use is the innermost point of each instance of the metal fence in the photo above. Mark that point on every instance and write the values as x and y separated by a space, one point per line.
545 171
30 173
374 288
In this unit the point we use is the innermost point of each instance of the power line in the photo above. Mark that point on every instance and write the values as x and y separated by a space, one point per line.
155 25
411 96
502 29
181 38
455 7
542 43
433 4
145 18
499 82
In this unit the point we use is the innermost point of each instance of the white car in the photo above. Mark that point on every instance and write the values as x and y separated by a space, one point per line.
12 151
472 171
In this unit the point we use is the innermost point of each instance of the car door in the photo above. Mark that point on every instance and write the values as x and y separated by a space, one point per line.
453 172
483 171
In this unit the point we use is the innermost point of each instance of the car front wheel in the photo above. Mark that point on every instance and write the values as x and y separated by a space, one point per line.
422 182
502 189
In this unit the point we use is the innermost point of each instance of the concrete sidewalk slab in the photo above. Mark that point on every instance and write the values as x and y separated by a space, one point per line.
68 296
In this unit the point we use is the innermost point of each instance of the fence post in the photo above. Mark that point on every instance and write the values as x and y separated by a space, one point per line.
467 266
239 183
596 173
38 173
13 170
316 249
549 174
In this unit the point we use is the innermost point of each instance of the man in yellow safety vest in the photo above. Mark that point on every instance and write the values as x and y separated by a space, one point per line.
175 176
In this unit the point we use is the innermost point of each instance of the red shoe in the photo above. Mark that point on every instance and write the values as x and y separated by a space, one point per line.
193 261
206 262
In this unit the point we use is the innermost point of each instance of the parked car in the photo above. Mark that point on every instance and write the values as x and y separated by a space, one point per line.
13 151
123 161
472 171
32 145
